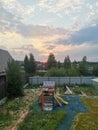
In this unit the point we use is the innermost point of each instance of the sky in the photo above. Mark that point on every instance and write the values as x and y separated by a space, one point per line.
41 27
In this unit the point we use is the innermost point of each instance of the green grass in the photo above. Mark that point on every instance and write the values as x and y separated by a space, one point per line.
89 90
14 105
87 121
9 111
5 119
42 121
31 86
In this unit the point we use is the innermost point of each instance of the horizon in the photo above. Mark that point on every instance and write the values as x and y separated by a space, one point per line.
41 27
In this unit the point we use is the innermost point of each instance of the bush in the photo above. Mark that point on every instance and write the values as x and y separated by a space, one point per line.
14 80
56 72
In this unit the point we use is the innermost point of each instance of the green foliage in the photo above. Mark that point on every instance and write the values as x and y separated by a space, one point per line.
59 64
42 120
95 70
83 69
60 72
5 119
87 121
51 62
73 71
15 104
32 86
26 64
30 64
56 72
89 90
67 63
14 80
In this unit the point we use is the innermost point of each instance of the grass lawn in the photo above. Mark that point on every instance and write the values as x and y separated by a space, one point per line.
42 120
88 90
88 121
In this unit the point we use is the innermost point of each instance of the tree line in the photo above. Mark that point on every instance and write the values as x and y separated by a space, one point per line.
15 76
56 68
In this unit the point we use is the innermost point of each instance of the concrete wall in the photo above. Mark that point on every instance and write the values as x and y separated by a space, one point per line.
61 80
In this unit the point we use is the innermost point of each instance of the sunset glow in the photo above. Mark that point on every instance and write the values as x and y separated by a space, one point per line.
63 27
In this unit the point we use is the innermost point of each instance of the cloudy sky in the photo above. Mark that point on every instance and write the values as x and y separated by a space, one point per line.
63 27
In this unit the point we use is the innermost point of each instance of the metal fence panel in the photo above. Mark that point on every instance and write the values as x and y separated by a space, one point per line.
61 80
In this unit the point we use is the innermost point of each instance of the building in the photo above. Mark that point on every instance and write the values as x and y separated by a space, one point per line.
5 57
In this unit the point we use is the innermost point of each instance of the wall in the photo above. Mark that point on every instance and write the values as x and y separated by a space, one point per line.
2 87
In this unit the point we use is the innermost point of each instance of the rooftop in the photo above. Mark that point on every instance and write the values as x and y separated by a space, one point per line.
4 58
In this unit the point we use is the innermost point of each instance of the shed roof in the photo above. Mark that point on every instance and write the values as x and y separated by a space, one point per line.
4 58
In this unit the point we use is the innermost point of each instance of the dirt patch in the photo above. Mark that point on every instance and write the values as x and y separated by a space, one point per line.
30 97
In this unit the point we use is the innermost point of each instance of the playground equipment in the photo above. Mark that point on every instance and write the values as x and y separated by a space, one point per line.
68 91
57 101
48 97
61 99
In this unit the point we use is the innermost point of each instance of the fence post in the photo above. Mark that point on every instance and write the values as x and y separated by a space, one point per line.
69 80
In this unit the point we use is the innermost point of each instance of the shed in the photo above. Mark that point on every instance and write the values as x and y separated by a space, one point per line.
95 83
5 57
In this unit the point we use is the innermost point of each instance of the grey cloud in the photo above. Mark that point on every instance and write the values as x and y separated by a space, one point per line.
12 22
36 30
51 47
8 21
86 35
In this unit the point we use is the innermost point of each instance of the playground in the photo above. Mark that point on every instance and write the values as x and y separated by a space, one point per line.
74 106
68 106
46 108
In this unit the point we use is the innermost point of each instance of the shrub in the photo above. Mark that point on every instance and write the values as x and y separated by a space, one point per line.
14 80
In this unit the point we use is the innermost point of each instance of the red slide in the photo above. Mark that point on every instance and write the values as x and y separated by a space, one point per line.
57 101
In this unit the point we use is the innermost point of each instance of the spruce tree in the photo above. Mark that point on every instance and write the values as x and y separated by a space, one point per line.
14 80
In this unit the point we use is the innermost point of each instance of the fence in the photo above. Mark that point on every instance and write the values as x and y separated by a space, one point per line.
62 80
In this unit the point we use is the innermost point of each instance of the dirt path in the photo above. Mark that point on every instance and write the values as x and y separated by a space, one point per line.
29 98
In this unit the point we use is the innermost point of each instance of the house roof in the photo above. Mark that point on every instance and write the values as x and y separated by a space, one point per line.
4 58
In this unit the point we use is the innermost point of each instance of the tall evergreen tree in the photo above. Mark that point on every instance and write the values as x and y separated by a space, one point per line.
83 68
95 70
67 63
51 62
32 65
59 65
26 64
